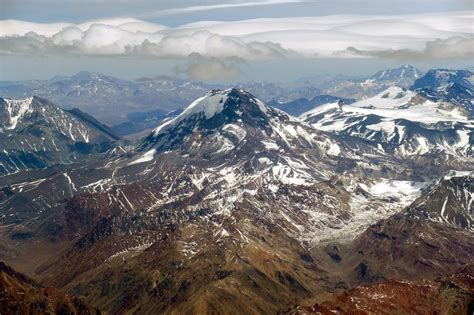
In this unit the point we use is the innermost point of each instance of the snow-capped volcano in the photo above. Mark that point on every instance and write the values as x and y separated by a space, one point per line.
234 133
228 110
219 107
225 148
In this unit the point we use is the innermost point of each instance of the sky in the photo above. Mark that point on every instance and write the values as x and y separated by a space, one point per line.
227 41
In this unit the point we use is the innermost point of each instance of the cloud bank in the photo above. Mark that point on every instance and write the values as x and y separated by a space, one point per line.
129 37
450 48
224 46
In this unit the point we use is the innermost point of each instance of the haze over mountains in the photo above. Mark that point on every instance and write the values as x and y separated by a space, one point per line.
232 205
133 108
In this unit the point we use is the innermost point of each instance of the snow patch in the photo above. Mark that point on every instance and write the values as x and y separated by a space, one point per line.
16 109
454 173
210 104
405 191
148 156
236 130
387 126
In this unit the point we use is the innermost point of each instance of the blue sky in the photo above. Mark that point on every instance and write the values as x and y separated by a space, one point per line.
149 39
82 10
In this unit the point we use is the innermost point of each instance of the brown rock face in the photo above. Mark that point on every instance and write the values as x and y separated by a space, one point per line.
21 295
407 247
397 297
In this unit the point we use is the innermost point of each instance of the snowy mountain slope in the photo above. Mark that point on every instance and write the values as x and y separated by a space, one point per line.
229 196
401 122
302 105
431 238
225 152
403 76
213 176
35 133
441 78
454 86
370 201
235 122
231 143
227 138
449 200
423 241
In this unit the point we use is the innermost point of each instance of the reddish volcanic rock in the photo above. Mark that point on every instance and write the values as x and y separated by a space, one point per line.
396 297
21 295
465 277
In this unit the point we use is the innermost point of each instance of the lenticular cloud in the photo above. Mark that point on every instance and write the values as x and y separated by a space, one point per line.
423 35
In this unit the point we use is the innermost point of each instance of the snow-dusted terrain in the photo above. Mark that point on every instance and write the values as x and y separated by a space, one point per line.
229 148
235 181
401 121
35 134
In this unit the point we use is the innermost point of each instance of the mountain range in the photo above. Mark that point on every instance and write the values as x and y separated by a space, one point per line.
402 122
447 85
360 88
119 103
235 206
108 98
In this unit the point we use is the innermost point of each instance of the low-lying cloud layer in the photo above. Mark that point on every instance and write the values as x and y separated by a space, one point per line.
429 36
453 47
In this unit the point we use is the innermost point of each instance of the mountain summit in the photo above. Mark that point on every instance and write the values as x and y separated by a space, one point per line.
230 109
35 133
219 107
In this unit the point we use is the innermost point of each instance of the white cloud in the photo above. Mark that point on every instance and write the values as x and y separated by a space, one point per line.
19 28
453 47
436 35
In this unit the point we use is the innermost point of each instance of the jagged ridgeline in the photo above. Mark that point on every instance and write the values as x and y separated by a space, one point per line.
234 206
35 133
